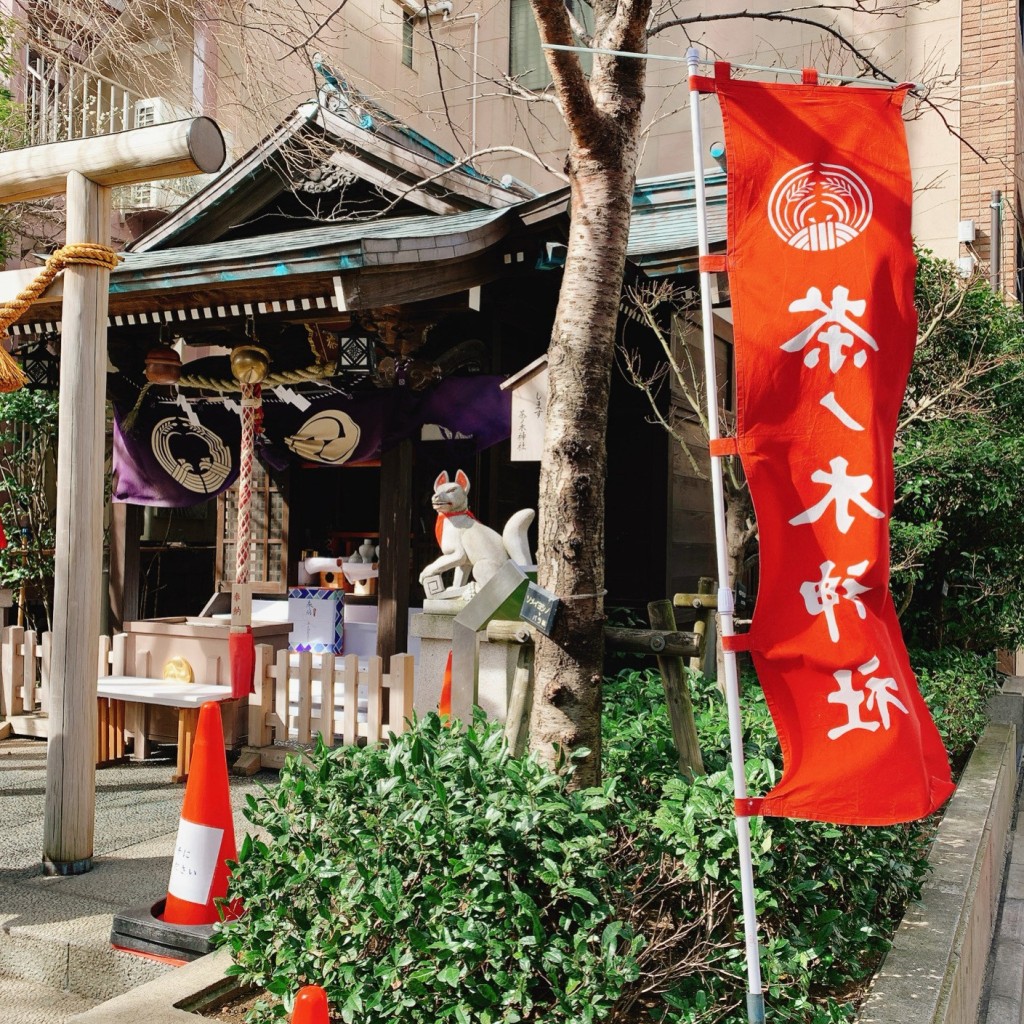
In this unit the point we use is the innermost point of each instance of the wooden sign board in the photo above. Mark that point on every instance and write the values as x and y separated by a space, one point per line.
529 390
241 604
539 608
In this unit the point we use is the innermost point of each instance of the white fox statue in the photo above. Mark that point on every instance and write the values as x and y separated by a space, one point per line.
467 546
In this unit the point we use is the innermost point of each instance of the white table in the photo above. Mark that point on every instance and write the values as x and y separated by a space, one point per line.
122 705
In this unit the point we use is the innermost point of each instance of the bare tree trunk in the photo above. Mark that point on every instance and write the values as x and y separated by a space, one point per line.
737 534
567 702
604 122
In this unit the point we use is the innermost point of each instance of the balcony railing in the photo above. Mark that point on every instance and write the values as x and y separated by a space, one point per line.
64 100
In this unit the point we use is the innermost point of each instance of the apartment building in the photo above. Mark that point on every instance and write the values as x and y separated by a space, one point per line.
471 77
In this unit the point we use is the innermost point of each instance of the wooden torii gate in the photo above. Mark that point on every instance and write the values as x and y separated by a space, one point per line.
86 169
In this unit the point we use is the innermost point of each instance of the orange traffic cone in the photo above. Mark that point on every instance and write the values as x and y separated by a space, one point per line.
310 1006
206 832
444 708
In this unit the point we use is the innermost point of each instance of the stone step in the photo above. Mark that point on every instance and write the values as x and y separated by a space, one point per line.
63 942
26 1002
56 931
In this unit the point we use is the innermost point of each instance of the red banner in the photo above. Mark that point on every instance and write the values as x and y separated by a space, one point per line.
821 274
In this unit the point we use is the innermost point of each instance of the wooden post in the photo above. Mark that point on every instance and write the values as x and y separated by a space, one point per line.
703 627
125 531
677 695
395 522
70 767
87 168
517 718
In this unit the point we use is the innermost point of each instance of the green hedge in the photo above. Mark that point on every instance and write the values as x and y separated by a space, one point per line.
439 879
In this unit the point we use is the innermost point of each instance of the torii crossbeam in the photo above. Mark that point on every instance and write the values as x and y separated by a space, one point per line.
86 169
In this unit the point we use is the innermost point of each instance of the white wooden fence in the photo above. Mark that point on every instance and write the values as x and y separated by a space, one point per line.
298 696
297 699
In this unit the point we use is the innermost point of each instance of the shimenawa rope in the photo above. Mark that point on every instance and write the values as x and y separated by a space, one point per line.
92 254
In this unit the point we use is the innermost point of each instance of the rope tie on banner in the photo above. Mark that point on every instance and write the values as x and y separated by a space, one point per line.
723 447
90 254
737 642
714 264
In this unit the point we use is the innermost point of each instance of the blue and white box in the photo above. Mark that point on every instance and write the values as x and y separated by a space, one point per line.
318 620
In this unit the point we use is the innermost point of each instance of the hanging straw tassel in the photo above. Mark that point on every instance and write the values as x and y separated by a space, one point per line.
128 423
12 377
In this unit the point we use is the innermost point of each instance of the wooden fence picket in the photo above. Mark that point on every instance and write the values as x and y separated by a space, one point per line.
28 673
282 711
281 721
12 670
44 672
328 690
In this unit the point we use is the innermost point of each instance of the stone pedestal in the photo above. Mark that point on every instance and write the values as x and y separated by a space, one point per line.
434 630
496 665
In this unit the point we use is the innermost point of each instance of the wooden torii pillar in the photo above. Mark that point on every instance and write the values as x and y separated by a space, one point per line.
86 169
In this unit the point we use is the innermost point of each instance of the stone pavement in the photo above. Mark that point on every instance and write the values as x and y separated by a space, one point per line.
55 954
1003 1002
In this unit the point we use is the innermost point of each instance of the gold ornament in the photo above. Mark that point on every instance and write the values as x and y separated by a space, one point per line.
179 670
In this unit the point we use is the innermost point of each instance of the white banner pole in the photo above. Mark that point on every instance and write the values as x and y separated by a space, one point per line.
755 997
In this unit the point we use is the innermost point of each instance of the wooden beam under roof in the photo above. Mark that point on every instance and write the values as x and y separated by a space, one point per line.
367 266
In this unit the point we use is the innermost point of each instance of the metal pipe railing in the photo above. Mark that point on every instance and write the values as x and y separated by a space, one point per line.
64 100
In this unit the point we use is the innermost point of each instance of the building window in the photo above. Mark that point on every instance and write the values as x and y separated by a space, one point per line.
408 21
526 61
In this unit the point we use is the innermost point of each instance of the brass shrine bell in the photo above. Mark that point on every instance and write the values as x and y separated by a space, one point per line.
250 363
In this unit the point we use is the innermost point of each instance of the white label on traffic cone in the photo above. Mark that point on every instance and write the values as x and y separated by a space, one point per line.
195 860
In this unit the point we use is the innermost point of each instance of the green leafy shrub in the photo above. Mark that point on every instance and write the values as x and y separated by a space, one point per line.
958 528
435 879
439 879
956 686
28 469
828 897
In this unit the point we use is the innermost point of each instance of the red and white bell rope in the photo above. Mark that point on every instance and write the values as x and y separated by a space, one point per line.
252 401
249 364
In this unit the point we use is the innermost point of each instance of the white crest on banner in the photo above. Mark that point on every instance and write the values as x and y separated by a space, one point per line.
819 207
330 436
196 458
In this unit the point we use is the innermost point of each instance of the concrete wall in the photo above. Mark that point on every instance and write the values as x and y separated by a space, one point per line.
935 971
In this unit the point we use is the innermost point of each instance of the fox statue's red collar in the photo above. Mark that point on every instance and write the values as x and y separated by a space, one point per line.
442 516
